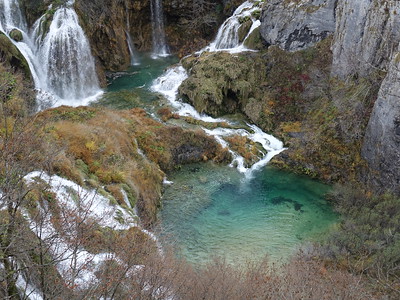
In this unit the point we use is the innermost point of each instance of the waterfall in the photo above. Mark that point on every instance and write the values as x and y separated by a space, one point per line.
228 37
160 47
11 16
60 61
67 59
131 46
168 85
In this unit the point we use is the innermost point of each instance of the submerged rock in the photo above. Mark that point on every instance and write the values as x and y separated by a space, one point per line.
224 212
296 25
279 200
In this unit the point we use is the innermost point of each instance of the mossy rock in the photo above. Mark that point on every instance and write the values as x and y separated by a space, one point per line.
222 83
13 56
254 40
244 30
16 35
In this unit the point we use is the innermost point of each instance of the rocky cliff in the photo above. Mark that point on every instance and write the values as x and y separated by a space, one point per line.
382 141
189 26
105 25
366 43
296 25
366 36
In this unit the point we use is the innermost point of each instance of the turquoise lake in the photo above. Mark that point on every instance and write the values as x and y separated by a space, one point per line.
214 211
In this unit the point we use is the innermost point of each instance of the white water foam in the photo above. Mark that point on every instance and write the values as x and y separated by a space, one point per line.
227 38
74 199
168 85
27 291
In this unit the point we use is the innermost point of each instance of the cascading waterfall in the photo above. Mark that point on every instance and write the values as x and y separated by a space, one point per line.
131 46
227 39
168 85
228 36
60 61
160 47
68 62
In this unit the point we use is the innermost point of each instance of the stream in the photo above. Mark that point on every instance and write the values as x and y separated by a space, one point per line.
234 212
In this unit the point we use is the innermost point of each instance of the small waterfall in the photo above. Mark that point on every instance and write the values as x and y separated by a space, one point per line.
68 62
160 47
60 61
168 85
228 36
131 46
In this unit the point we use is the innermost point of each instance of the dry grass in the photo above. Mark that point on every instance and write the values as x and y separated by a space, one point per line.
104 147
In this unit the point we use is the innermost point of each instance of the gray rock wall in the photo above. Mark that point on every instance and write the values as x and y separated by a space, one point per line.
367 33
382 141
294 25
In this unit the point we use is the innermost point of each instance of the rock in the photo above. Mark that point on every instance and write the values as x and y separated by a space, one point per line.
294 25
16 35
254 41
244 30
11 55
104 22
221 83
34 9
381 147
367 33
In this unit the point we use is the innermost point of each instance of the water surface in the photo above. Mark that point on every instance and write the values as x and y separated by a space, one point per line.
213 211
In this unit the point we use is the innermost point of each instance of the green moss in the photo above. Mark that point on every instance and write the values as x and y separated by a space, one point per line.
12 56
244 30
16 35
254 40
221 83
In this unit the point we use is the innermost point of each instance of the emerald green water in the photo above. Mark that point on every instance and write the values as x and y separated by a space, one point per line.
213 211
137 80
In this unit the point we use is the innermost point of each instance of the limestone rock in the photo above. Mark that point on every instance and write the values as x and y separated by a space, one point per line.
296 25
367 33
381 146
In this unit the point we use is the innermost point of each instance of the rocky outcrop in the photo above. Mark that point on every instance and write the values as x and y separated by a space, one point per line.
296 25
221 83
12 57
381 146
34 9
105 23
367 33
189 26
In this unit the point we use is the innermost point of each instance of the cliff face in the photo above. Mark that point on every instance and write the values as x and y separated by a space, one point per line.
105 23
366 42
366 36
294 25
382 141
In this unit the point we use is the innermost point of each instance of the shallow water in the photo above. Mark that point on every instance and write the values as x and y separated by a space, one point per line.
138 78
213 211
